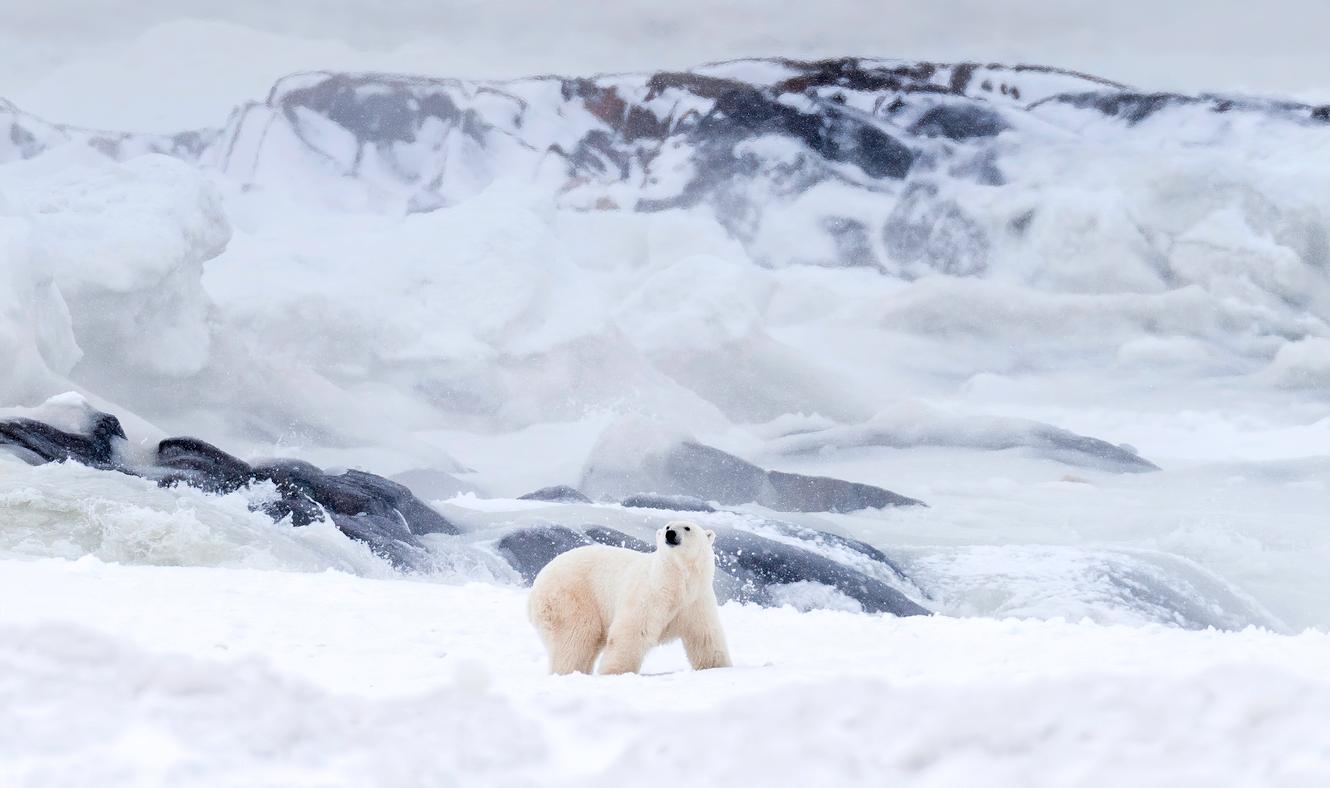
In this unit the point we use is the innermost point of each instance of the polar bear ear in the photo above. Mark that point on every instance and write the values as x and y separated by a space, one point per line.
711 536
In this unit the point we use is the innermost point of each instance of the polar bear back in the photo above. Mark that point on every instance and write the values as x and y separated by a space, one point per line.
594 577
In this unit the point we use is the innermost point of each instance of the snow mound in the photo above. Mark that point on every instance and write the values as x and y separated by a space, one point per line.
1301 365
120 250
186 722
1105 731
37 343
1108 586
916 424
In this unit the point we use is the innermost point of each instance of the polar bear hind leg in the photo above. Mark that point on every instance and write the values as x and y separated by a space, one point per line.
572 639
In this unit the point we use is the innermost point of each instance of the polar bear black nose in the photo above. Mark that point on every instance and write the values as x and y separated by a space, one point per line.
671 536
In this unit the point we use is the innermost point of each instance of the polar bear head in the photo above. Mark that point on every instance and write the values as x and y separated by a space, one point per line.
685 540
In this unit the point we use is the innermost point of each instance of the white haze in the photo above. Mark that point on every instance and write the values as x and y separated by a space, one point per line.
164 65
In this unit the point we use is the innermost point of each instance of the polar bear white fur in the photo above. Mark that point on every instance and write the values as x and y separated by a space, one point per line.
624 602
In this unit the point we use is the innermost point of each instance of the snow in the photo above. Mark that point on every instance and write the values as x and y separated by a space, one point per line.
188 676
1161 287
107 261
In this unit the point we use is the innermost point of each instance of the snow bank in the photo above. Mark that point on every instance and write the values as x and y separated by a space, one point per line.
37 344
1090 732
145 719
126 244
1108 586
105 264
915 424
164 695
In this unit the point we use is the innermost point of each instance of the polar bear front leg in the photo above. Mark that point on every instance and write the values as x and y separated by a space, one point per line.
630 639
703 638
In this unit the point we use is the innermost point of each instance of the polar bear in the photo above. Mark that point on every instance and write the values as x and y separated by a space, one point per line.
625 603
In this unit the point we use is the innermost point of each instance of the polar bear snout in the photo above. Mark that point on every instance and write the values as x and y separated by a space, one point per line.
671 537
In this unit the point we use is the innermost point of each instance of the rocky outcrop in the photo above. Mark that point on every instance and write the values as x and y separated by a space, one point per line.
918 426
374 510
559 493
641 465
759 143
38 442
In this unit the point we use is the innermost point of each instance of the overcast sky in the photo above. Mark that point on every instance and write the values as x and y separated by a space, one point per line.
162 65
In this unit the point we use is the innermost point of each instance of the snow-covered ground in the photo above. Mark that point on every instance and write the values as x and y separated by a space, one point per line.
113 675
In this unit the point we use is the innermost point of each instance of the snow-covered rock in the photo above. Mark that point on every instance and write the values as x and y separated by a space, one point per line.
636 456
916 425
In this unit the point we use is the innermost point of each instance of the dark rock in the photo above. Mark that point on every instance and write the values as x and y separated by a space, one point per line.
40 443
560 493
202 465
1069 447
959 122
675 503
383 514
792 492
759 563
824 539
837 136
1134 107
711 474
366 507
1131 107
528 550
608 536
704 472
356 494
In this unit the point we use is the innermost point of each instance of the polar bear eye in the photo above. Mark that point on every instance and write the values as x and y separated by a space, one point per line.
686 528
